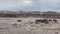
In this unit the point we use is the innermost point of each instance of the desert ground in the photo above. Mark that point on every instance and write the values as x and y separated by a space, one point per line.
12 26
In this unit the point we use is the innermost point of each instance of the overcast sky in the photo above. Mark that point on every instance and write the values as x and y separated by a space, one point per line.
30 5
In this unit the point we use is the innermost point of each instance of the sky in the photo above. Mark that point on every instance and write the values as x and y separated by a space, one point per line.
30 5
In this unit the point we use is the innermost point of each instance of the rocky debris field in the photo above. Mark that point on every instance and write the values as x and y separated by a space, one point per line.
28 28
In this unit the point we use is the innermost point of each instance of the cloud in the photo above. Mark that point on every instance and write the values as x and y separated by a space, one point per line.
42 5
